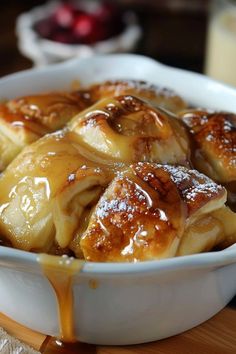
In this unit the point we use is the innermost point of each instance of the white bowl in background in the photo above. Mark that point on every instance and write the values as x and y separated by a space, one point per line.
132 303
44 51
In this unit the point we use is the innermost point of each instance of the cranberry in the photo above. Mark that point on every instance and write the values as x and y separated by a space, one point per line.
46 27
83 25
64 16
71 24
87 29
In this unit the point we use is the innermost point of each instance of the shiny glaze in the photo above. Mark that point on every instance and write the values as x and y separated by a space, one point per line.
46 188
214 151
17 122
26 119
55 346
52 110
132 221
127 129
155 95
60 271
145 211
196 189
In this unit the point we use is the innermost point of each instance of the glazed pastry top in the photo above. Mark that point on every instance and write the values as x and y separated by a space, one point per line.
116 183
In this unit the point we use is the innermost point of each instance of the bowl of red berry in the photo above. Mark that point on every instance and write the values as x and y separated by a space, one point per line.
58 31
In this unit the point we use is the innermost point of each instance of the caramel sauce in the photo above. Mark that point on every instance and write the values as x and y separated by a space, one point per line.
214 135
127 129
18 120
60 272
139 217
55 346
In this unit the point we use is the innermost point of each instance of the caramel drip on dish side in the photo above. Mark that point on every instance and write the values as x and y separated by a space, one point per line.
60 271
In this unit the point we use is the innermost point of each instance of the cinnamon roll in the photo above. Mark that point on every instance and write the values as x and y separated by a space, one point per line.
128 129
153 211
26 119
213 136
45 191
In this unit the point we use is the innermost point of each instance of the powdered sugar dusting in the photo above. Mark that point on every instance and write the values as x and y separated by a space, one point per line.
114 206
196 188
139 85
215 135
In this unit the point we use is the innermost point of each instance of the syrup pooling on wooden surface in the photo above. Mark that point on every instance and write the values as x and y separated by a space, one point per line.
55 346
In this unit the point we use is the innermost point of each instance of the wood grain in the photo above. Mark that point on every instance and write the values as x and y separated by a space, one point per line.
216 336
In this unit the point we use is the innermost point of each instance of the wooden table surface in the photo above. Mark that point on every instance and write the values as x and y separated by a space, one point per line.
216 336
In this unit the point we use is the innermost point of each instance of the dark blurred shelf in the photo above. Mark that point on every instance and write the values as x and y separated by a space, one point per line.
173 35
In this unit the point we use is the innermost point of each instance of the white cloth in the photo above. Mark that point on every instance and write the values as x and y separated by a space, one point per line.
10 345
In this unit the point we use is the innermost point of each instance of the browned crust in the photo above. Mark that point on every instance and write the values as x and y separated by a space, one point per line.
127 105
214 135
138 217
44 113
144 211
17 121
137 88
195 188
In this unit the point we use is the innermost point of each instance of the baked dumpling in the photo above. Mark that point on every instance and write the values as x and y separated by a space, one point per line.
153 94
153 211
128 129
26 119
46 189
213 136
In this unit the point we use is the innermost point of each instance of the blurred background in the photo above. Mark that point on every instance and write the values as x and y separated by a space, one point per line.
197 35
172 31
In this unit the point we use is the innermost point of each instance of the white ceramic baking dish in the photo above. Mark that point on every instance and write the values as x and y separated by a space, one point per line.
131 303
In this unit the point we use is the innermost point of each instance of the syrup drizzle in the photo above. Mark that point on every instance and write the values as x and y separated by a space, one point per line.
60 272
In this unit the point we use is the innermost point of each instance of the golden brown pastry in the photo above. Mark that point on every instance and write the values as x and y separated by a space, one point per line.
152 211
128 129
153 94
46 189
214 146
26 119
75 191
